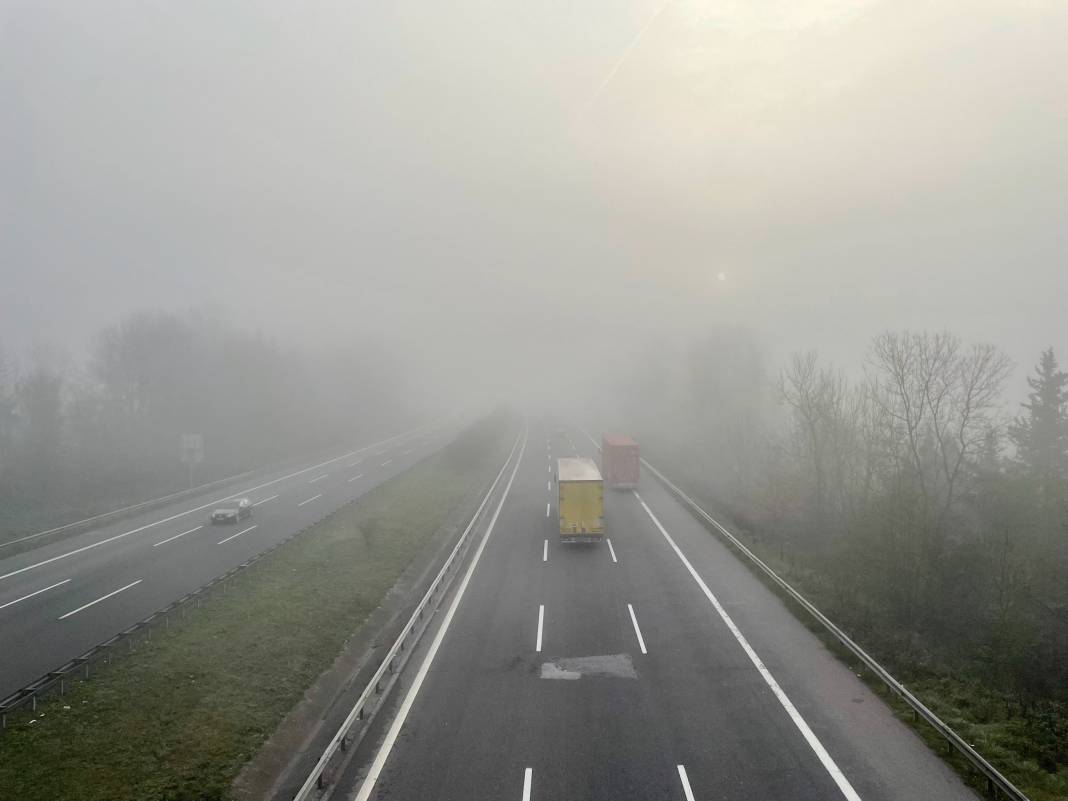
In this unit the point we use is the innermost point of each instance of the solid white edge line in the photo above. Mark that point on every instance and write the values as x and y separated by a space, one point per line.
101 598
228 497
199 508
312 498
265 500
238 534
685 783
176 536
38 592
527 776
544 554
612 550
810 737
390 739
541 625
317 772
637 631
355 477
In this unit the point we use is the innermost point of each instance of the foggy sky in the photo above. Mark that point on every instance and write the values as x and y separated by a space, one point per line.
459 181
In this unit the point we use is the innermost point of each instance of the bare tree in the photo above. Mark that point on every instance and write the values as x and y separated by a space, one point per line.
941 399
826 410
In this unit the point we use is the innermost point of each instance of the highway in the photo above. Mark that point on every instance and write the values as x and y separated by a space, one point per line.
59 600
651 667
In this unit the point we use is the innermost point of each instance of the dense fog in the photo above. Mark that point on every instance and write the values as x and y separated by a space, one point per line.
810 253
500 190
283 226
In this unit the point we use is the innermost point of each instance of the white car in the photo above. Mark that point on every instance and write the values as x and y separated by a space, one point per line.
241 509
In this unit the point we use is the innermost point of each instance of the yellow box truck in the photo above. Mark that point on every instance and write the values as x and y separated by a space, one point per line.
580 501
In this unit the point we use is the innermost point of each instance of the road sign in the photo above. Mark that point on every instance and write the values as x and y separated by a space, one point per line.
192 448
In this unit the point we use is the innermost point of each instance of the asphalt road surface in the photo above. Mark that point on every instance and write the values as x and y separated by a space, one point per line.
59 600
653 667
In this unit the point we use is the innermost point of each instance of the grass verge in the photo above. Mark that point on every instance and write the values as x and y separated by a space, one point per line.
178 718
1027 749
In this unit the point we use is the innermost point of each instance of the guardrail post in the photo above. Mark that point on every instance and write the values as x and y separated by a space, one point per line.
319 782
996 783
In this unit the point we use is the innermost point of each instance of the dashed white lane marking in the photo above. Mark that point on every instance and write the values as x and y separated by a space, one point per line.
176 536
405 453
139 529
354 478
101 598
37 592
544 553
235 536
547 505
527 776
384 750
810 737
388 461
353 464
317 478
612 551
541 625
549 486
637 631
312 498
685 784
257 503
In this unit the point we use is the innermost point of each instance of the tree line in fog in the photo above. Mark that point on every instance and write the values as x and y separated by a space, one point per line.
919 507
86 436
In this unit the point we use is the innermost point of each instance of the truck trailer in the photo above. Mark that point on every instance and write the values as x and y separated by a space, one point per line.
620 461
580 500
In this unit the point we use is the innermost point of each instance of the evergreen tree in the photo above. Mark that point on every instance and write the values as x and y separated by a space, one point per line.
1041 433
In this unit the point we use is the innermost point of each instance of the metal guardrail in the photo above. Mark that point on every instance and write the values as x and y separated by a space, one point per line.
995 781
152 503
378 687
56 680
141 506
78 668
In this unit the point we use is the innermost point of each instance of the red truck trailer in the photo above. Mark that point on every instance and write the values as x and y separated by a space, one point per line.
620 461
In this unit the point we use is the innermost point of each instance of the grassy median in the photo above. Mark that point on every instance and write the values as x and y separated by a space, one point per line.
179 717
